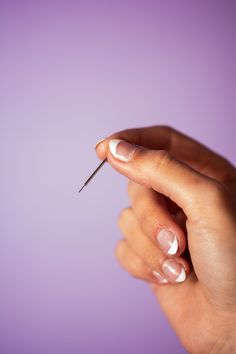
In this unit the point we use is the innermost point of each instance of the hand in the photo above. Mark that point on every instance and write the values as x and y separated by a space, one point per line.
180 231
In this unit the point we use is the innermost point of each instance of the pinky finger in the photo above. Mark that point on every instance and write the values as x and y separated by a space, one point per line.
134 265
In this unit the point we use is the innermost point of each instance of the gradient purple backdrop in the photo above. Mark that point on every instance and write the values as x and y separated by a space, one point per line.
71 73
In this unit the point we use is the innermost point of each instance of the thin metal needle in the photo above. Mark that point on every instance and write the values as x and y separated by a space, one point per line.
93 174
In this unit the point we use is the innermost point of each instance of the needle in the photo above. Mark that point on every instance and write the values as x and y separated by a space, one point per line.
93 174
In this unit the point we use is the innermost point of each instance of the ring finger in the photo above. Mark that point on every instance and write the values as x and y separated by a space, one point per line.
155 219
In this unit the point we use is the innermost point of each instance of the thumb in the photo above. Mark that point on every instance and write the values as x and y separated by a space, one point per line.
159 170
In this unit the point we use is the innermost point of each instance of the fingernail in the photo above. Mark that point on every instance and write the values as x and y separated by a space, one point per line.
174 271
168 241
160 278
122 150
100 141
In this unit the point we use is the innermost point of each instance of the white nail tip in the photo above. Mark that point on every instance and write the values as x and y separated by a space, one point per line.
100 141
174 247
181 277
112 146
161 279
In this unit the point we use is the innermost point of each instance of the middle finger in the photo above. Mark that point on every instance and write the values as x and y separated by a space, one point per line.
156 221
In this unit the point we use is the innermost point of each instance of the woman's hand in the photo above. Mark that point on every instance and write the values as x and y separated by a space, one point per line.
180 231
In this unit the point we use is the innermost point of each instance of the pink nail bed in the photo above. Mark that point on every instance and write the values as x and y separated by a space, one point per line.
168 241
174 270
160 278
122 150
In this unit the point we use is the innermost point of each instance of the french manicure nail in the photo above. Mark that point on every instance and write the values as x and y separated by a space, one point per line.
160 278
100 141
122 150
168 241
174 271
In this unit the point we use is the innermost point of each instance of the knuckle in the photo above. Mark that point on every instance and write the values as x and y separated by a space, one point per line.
163 155
144 219
130 187
166 129
163 159
124 216
216 192
148 220
128 261
138 275
120 249
135 191
138 269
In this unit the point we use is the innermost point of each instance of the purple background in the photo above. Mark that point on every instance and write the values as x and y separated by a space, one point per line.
71 73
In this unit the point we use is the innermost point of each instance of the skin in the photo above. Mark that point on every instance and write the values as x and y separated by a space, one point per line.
178 184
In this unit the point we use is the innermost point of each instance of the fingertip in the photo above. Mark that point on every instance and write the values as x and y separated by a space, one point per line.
101 148
176 270
99 142
154 287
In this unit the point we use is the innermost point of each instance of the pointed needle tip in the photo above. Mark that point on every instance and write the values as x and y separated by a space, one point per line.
93 174
81 189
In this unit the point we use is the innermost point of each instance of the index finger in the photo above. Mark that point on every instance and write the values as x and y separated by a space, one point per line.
182 147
